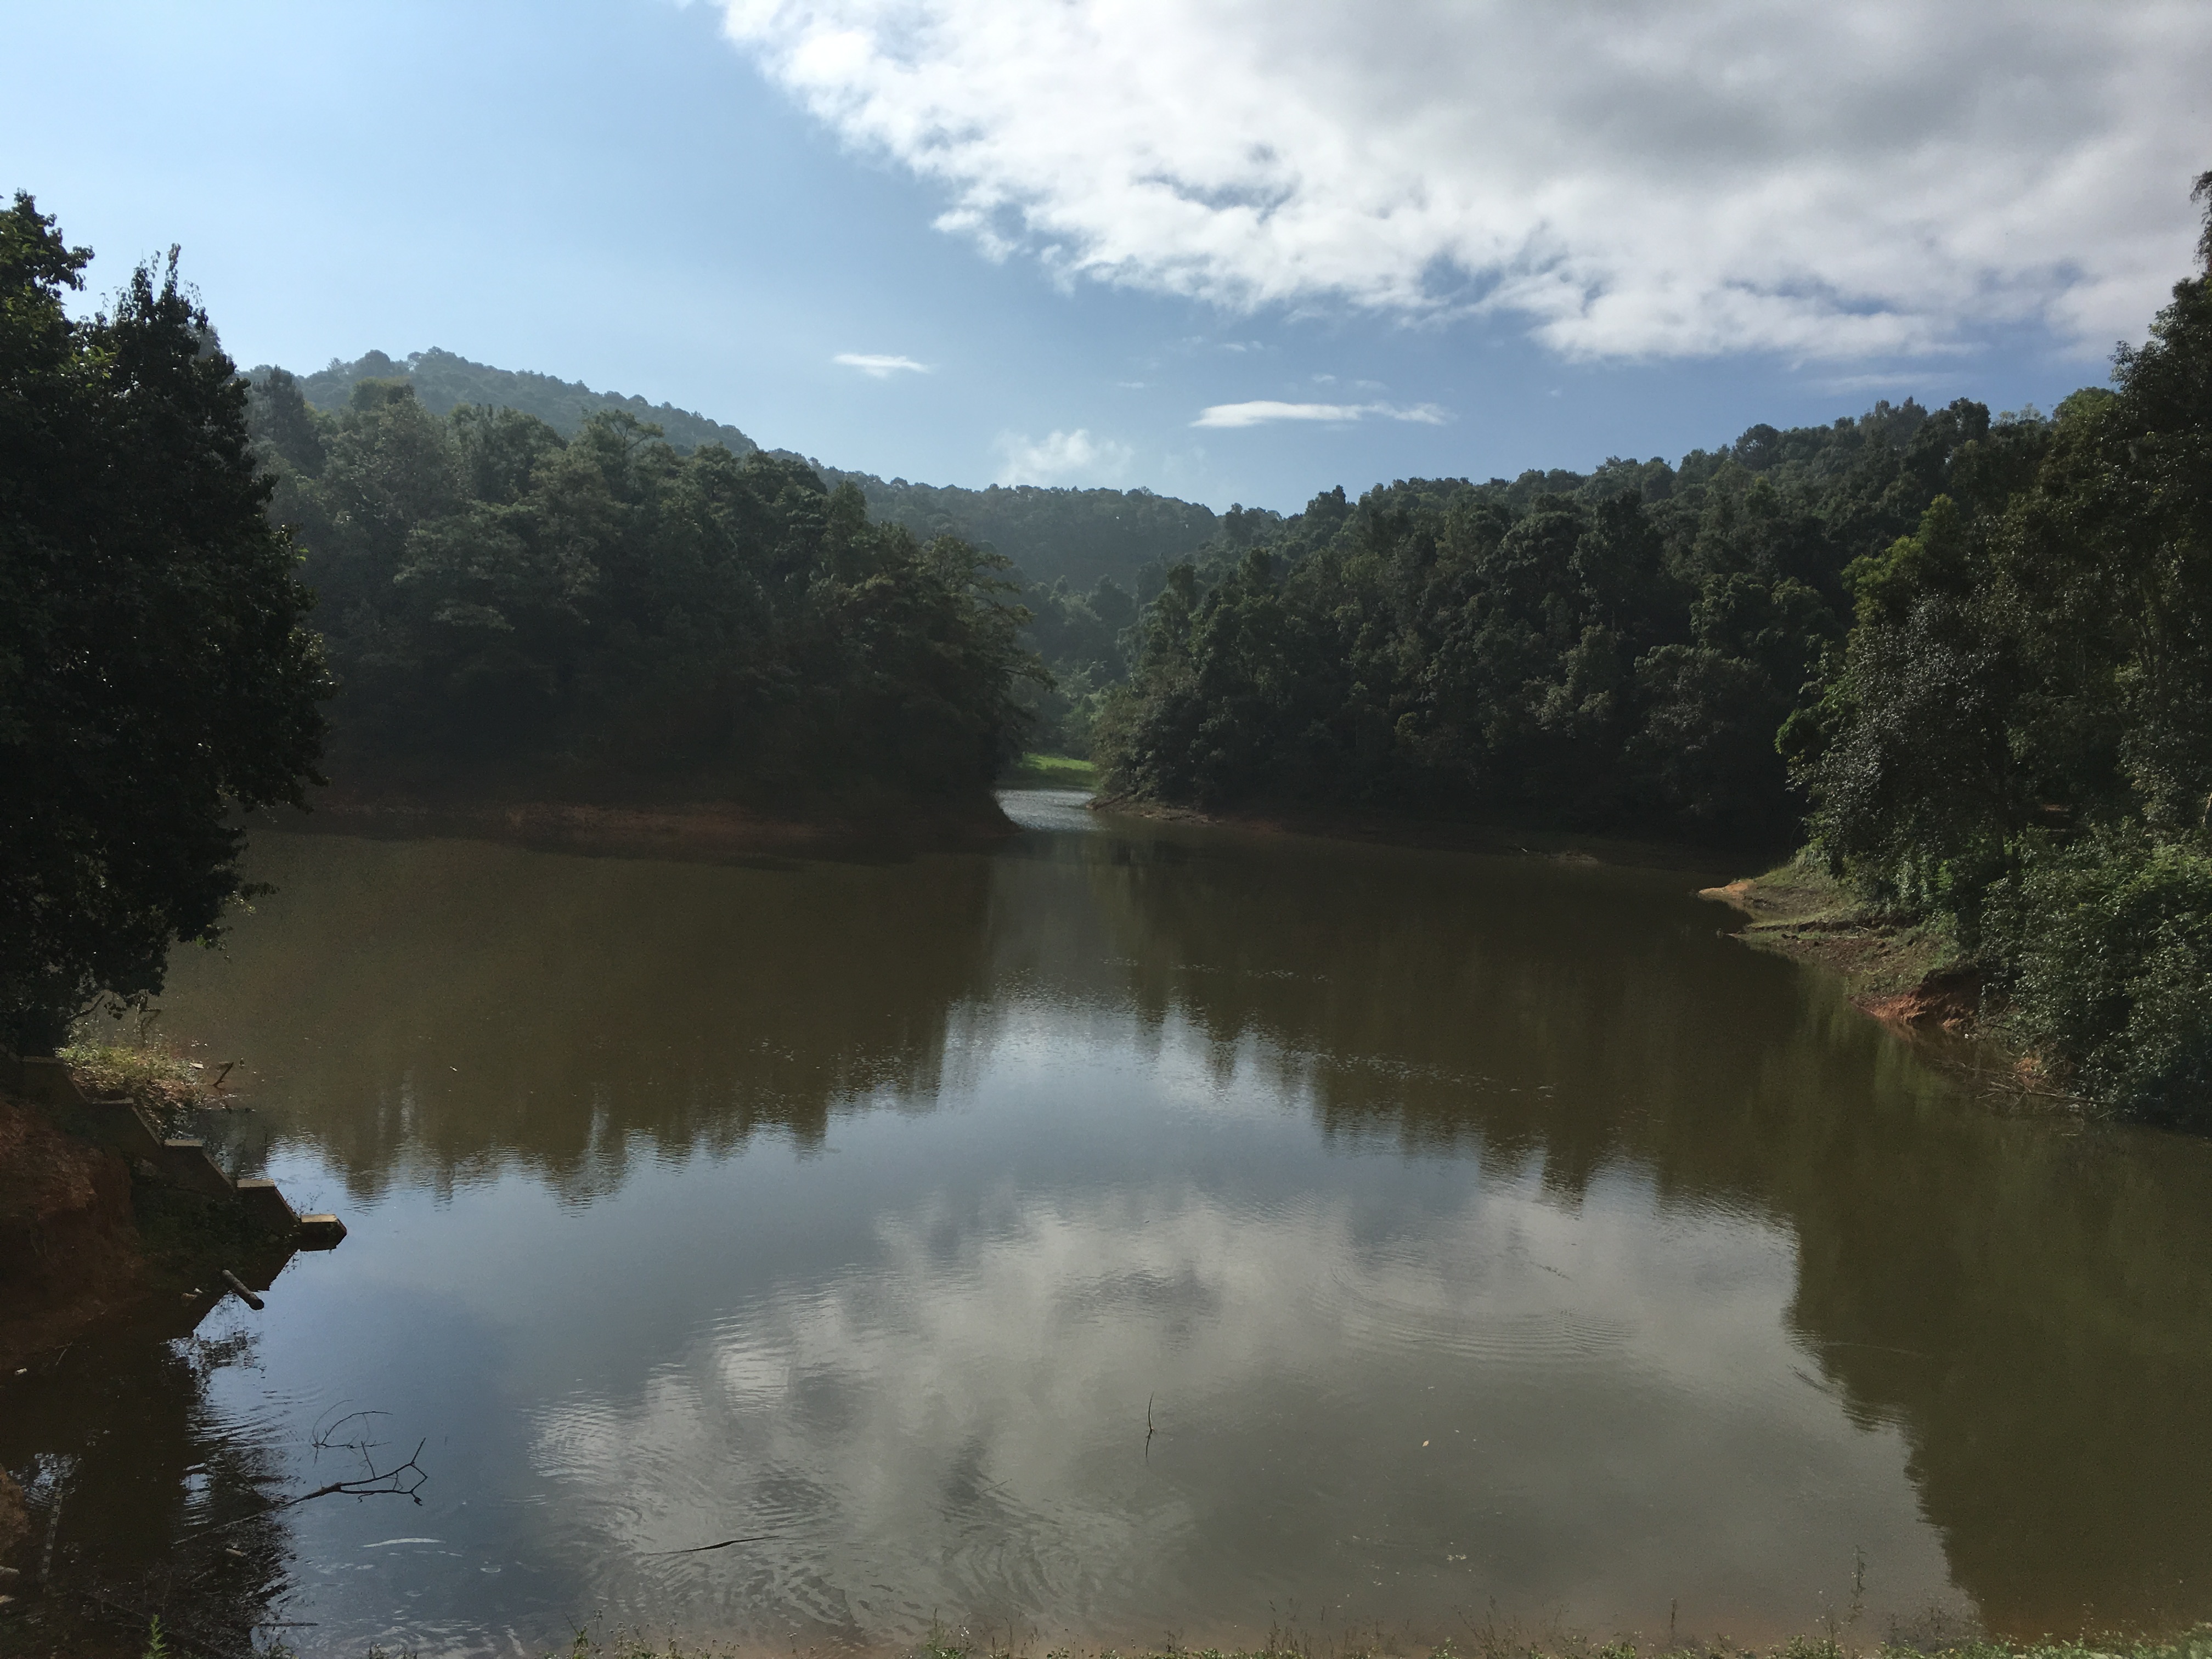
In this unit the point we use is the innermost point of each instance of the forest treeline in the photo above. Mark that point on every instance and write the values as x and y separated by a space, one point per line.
1971 656
1607 652
455 683
1052 534
598 611
444 381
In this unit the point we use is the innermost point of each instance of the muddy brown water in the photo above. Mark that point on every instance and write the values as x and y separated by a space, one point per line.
1135 1233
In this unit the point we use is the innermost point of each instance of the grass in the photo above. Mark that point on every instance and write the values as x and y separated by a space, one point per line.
1052 772
1799 909
168 1085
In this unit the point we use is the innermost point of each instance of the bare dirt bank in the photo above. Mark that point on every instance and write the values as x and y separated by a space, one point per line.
70 1254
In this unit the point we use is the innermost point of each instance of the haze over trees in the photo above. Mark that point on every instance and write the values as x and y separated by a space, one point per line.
600 613
443 381
1080 535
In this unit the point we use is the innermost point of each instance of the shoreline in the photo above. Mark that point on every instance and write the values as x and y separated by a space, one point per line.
1941 1639
705 831
1393 828
1908 976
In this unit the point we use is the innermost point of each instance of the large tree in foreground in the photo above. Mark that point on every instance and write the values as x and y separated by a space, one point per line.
157 675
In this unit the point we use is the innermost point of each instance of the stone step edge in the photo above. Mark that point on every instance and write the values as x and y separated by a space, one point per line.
118 1124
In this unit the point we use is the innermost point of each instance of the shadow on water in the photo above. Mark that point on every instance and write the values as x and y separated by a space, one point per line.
442 1010
146 1501
2027 1303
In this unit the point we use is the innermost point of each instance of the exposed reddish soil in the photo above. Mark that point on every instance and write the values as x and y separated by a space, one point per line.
68 1248
1952 1001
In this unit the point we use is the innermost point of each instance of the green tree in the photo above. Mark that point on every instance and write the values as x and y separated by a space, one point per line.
156 673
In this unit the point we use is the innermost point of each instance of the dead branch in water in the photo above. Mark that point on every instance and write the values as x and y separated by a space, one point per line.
401 1480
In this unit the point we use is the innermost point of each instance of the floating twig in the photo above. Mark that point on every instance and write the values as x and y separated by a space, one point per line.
702 1549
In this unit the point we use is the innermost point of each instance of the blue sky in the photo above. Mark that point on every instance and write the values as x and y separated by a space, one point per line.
1479 239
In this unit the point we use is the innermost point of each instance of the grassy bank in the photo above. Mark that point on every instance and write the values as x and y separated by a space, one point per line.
1909 972
167 1084
1050 772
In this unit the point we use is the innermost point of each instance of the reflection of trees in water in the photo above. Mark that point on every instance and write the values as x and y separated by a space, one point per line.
2032 1305
143 1501
440 1009
2030 1302
2034 1308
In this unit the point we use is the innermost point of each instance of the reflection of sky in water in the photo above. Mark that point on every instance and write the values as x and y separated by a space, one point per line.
920 1359
872 1208
1049 808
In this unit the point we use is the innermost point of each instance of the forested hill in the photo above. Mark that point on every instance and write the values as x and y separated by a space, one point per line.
598 616
1613 649
1080 535
1971 655
444 382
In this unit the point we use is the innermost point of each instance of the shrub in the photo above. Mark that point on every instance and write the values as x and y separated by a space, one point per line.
2105 948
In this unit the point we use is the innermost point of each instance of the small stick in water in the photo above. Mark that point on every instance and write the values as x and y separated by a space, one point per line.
702 1549
243 1295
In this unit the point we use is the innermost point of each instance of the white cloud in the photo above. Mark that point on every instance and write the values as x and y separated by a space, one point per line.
1063 457
1681 177
1259 413
879 367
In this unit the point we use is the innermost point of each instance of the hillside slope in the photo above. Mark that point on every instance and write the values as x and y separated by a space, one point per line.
1079 534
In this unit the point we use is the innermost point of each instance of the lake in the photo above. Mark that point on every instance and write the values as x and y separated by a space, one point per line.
1138 1232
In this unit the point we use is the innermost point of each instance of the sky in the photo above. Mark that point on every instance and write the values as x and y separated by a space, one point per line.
1237 251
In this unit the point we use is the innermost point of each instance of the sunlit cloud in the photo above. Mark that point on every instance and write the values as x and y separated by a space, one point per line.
1265 410
879 367
1683 178
1062 458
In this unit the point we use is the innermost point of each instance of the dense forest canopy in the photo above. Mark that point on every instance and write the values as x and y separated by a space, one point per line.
599 613
1612 650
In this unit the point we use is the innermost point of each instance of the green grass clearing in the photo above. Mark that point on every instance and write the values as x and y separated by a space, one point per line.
1052 772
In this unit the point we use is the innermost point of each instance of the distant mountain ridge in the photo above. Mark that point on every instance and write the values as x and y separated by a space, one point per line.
443 380
1080 535
1051 534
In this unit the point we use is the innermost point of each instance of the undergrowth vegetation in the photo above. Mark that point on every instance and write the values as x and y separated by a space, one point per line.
167 1084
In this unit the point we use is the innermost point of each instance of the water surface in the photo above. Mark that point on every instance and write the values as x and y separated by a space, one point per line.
1140 1232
